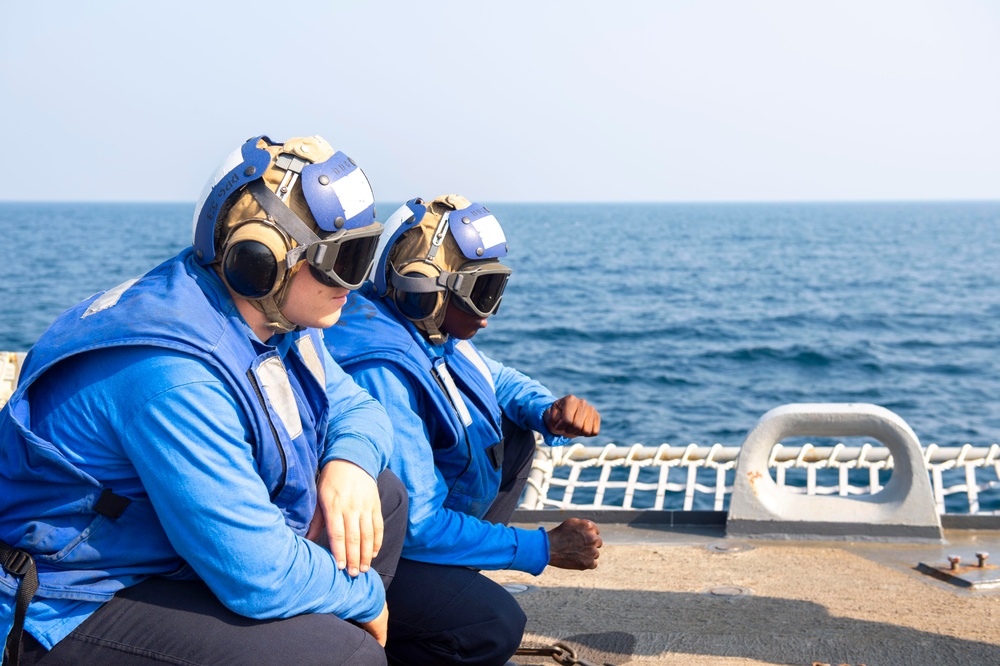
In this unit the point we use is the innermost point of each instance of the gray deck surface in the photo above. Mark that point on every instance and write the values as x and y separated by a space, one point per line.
689 595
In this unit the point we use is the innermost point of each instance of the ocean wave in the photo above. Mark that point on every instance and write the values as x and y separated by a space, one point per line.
795 355
686 334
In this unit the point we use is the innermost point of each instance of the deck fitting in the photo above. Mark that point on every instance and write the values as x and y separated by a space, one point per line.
979 576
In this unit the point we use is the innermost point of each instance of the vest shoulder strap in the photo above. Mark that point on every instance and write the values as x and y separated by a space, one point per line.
19 564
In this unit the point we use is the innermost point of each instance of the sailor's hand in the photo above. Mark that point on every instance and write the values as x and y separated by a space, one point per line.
570 416
352 511
378 627
575 544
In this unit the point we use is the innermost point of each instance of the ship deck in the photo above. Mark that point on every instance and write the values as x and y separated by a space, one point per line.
686 594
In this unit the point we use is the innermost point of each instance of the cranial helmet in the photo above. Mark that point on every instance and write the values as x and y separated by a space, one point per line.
444 251
271 208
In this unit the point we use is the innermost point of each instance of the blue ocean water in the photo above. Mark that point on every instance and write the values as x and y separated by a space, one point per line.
680 322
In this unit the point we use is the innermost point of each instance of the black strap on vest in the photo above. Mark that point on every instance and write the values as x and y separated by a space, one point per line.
110 504
495 454
20 565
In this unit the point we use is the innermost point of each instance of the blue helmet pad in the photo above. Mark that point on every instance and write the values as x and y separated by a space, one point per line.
464 229
417 211
318 186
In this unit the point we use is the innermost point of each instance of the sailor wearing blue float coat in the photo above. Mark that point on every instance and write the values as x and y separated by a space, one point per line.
463 440
177 445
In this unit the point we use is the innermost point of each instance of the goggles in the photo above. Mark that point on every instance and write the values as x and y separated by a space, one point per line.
477 289
342 259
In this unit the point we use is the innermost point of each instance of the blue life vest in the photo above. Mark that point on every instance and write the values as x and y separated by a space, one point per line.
53 510
457 389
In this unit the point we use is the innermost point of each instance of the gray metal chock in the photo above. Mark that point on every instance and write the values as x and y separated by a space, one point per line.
903 509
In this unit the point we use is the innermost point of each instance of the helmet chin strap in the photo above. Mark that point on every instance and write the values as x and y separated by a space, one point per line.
276 322
434 334
431 326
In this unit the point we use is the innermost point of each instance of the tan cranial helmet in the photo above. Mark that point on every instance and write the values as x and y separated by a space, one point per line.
271 208
443 251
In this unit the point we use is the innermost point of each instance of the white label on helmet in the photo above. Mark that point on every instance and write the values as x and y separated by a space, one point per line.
490 231
354 192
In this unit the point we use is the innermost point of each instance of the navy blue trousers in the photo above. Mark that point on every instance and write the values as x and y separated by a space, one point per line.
182 622
440 614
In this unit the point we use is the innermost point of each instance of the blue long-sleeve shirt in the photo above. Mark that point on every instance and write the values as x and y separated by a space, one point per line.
167 425
435 533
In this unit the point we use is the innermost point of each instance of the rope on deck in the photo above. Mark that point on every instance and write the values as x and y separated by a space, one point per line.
650 477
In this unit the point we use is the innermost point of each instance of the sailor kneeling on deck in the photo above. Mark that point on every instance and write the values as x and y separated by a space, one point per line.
463 432
180 446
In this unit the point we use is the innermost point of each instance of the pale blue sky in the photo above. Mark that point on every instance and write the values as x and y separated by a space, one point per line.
523 100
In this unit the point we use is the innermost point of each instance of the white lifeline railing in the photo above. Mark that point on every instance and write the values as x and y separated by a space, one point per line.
964 466
971 470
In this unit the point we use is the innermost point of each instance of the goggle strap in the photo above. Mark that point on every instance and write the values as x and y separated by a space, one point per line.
283 216
446 280
294 255
418 285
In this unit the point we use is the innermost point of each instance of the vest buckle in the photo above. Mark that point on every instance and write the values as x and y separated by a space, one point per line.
17 562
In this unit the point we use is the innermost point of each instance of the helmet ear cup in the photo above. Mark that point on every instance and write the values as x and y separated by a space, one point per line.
253 260
419 306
